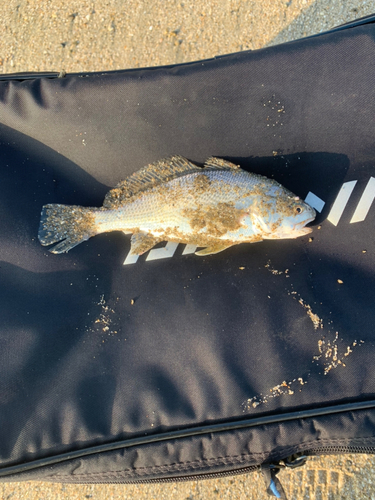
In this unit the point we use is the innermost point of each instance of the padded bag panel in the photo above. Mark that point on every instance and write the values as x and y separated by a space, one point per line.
93 351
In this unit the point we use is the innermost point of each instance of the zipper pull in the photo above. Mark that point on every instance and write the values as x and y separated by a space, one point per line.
269 471
274 487
296 460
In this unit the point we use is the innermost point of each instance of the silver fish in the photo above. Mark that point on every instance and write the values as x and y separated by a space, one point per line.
214 207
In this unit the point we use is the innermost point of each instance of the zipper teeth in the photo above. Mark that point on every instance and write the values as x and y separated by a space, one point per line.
178 479
215 475
341 449
208 475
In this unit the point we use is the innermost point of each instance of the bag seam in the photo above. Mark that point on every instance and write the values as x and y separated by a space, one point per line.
226 460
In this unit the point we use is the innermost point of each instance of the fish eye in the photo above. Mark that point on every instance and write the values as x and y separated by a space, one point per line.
298 209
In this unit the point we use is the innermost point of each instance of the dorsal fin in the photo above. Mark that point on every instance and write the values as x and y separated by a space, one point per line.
149 176
219 163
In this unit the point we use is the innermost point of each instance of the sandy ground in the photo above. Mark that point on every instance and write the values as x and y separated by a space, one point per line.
93 35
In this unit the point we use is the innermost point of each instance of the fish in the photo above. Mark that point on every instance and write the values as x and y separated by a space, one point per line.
213 207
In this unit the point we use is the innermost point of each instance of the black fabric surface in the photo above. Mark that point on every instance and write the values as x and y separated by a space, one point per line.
93 351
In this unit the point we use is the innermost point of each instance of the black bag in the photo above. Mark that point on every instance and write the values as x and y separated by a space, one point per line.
177 366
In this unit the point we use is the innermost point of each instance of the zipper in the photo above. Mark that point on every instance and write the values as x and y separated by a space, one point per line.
337 450
293 461
198 431
296 460
176 479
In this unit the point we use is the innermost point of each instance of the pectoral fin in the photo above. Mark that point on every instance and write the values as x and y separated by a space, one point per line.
141 242
215 248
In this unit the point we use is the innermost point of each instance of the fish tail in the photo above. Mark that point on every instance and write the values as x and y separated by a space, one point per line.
69 225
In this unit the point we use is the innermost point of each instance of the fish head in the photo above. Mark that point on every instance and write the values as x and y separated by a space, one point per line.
293 225
285 215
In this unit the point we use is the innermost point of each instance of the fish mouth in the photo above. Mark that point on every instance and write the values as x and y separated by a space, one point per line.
300 227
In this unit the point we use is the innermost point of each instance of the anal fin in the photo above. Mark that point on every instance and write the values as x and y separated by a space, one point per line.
215 248
141 242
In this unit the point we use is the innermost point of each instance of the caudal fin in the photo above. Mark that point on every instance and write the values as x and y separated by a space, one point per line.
67 224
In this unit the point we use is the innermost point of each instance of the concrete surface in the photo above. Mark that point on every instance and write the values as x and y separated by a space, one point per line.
93 35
